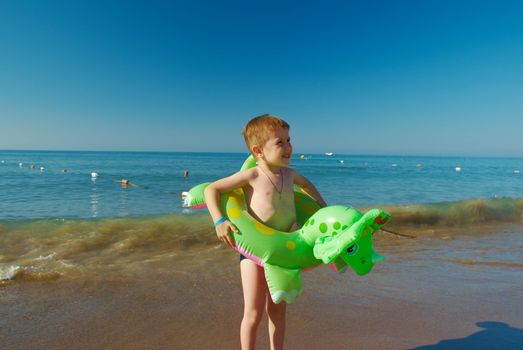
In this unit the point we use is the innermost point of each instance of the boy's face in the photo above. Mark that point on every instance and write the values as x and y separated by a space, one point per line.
277 150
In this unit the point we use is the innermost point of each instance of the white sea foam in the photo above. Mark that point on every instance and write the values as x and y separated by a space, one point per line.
47 257
7 273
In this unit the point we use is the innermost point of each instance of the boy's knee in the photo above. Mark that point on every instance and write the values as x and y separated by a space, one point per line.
252 317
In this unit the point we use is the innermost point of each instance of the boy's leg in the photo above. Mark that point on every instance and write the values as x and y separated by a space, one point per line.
276 313
254 296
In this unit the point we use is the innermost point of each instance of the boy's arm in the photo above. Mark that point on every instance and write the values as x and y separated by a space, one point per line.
308 188
212 199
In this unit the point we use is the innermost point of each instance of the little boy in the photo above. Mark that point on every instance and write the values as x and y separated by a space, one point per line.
269 193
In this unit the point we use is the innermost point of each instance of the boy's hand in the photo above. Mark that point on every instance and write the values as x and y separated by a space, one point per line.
223 232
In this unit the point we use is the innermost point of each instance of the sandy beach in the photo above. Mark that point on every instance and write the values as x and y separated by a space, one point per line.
429 294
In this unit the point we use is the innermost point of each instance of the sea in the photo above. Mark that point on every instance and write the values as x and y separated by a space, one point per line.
62 212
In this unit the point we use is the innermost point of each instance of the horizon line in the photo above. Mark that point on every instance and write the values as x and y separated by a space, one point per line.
237 152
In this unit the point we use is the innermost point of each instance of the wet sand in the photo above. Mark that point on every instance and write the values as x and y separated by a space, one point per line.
423 297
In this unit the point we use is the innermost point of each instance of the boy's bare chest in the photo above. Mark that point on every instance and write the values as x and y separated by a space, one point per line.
272 199
276 188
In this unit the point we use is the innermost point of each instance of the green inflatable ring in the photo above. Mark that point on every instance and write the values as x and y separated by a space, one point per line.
337 235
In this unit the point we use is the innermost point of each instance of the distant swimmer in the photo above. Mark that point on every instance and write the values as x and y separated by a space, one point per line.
457 169
126 183
63 170
94 175
186 173
42 168
20 165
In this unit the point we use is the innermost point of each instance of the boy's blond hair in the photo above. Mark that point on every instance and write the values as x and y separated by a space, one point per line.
257 130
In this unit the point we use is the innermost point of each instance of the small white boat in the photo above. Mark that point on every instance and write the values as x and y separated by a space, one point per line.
328 153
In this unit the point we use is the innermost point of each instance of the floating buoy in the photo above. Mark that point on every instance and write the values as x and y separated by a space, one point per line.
302 156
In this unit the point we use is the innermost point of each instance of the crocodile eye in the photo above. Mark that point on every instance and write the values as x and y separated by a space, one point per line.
352 250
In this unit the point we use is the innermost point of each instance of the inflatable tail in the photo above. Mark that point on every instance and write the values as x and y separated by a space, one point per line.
195 198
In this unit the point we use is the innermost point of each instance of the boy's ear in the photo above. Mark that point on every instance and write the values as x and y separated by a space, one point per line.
257 151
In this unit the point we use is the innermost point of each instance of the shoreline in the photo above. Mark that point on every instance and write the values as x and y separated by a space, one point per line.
412 301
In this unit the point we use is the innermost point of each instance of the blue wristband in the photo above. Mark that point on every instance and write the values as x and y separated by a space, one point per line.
219 221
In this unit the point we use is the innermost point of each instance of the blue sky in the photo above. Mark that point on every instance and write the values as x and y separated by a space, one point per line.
356 77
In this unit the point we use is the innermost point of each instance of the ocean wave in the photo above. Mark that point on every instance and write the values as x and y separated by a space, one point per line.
459 213
49 239
488 263
48 249
39 250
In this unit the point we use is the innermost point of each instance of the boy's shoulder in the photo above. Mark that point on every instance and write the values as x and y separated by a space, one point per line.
250 173
291 171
